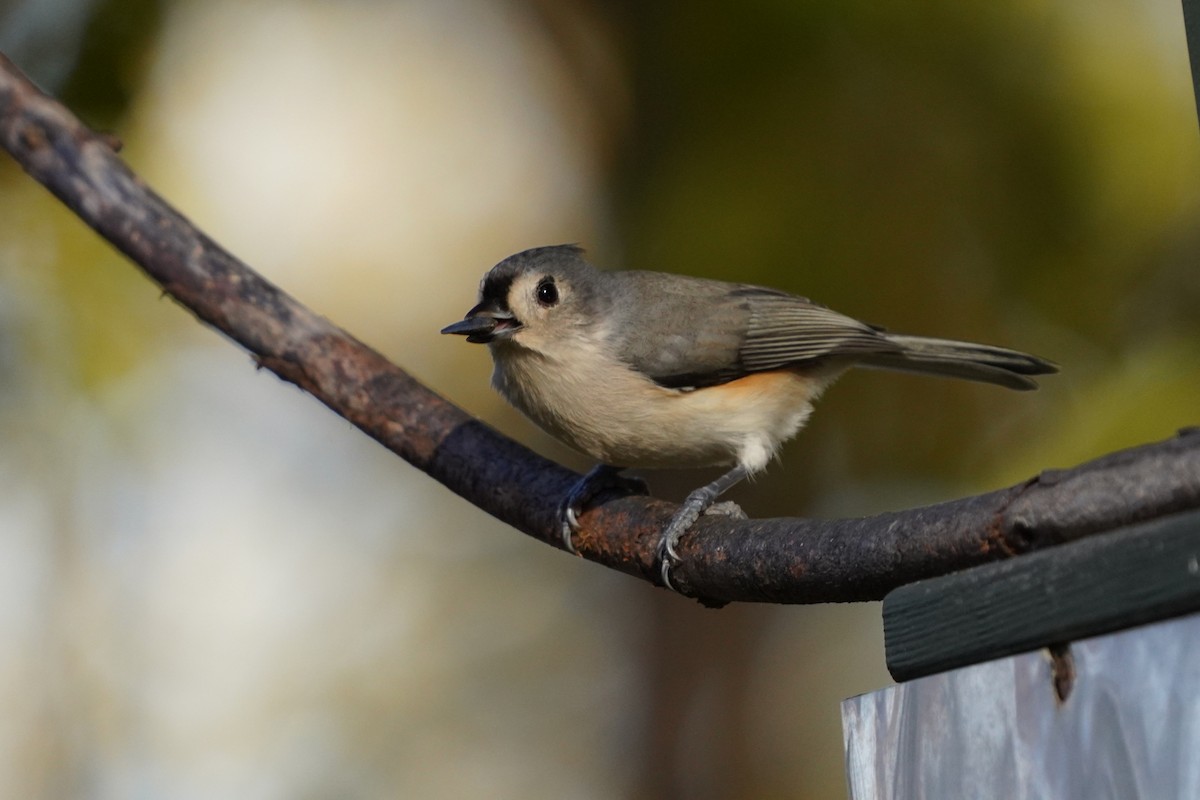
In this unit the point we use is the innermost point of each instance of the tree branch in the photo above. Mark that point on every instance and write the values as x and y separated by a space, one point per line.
775 560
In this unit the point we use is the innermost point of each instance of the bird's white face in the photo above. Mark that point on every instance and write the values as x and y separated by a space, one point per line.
546 312
539 301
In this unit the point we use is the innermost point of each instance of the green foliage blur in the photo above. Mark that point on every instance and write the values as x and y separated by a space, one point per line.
1022 174
100 320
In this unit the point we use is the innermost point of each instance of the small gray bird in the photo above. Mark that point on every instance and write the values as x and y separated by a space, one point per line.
647 369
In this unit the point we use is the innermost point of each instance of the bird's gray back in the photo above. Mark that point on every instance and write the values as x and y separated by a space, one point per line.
678 330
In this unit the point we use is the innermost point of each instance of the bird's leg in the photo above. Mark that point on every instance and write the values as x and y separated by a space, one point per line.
696 504
598 479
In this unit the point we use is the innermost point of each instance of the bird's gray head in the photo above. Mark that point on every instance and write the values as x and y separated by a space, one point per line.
534 298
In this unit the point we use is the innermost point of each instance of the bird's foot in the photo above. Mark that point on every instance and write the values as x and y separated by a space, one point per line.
699 502
599 479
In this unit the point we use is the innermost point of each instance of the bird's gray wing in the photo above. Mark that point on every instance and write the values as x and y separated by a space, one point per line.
785 329
691 332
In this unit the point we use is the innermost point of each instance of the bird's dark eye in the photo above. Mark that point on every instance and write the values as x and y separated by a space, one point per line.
547 292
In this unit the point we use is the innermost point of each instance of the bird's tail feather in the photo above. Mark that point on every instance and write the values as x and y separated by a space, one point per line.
974 362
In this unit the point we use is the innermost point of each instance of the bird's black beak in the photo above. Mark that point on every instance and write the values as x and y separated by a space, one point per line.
484 323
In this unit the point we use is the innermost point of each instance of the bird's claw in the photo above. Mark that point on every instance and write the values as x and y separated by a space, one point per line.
600 478
570 525
668 557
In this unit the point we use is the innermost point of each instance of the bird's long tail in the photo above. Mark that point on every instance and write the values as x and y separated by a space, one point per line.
973 362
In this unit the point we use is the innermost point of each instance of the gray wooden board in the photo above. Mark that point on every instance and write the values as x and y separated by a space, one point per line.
1103 583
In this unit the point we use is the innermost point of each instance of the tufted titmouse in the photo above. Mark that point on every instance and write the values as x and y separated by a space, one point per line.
647 369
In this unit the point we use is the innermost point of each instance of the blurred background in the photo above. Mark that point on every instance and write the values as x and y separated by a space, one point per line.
210 586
